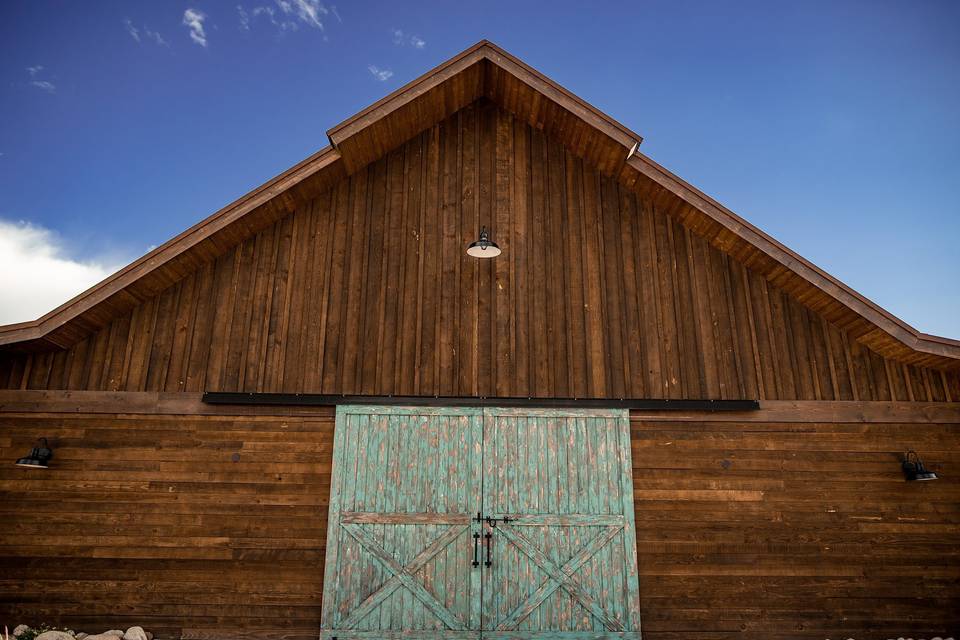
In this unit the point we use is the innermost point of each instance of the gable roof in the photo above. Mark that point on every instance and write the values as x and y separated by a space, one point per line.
483 70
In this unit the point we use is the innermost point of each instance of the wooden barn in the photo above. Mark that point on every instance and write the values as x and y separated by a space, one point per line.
331 410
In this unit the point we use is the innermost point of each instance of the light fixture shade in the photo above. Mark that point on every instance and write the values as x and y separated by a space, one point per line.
913 469
38 458
484 247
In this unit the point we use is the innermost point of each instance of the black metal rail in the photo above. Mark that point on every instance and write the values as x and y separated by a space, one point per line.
319 399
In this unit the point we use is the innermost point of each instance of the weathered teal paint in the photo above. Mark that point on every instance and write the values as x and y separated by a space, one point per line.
406 485
565 563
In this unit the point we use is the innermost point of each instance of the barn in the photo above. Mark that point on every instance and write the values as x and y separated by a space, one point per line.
479 369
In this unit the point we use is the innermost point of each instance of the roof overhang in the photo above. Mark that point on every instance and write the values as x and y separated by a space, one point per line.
482 71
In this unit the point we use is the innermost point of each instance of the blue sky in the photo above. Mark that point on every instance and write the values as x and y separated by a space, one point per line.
833 126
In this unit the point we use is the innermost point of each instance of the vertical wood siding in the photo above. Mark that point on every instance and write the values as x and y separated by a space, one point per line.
367 290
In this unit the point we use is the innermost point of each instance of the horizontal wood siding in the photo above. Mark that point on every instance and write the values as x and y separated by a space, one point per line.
169 522
789 522
763 530
367 289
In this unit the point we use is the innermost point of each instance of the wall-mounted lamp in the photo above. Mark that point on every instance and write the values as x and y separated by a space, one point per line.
913 468
38 457
484 247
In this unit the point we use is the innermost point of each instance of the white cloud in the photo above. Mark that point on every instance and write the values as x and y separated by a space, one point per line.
36 274
288 15
147 33
49 87
309 11
402 39
380 74
132 30
193 20
156 37
271 14
45 85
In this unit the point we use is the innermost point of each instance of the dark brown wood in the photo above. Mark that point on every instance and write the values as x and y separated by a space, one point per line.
798 529
793 515
484 70
170 262
173 522
345 307
865 321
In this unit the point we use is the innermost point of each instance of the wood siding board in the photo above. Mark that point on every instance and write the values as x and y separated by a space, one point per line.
502 302
579 307
336 293
541 371
521 250
633 321
707 342
618 365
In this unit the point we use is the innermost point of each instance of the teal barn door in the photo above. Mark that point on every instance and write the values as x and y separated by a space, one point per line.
405 486
558 488
504 524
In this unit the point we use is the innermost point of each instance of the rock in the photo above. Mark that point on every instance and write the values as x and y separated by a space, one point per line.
54 635
135 633
20 628
149 636
114 632
106 635
81 635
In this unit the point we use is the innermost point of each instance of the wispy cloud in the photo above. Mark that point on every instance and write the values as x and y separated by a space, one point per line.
380 74
36 81
309 11
193 20
402 39
268 13
156 37
132 30
146 33
55 277
49 87
287 15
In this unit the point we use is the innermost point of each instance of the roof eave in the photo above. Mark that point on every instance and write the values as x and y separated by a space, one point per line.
891 336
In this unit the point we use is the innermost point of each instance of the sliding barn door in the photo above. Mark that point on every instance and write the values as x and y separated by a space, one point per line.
469 523
558 488
405 485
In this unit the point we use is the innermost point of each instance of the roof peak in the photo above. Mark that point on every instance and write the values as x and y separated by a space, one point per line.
482 70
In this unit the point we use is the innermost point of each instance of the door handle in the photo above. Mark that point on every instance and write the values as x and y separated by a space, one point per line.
476 549
489 537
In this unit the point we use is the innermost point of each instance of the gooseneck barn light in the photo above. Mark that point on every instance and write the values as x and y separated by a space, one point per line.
38 457
484 247
913 468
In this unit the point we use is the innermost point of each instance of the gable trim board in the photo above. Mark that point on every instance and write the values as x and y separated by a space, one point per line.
483 70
